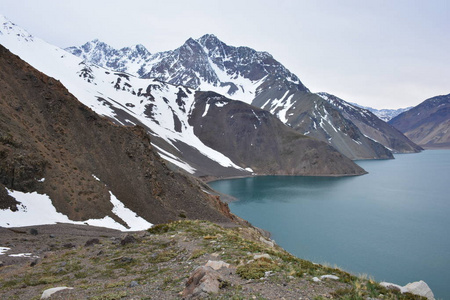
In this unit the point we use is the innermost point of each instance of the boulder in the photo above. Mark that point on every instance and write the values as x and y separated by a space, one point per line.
203 281
417 288
420 288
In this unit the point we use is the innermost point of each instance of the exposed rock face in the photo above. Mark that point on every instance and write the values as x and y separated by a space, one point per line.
427 124
373 127
47 133
254 138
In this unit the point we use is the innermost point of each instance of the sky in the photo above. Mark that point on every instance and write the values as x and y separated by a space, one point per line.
382 54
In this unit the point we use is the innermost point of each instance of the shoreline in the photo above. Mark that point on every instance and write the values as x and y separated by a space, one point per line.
208 178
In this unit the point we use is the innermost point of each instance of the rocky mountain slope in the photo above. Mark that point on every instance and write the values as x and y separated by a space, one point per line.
53 145
427 124
256 78
373 127
165 111
254 138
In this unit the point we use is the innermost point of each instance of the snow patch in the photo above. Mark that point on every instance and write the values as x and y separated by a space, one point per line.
27 255
174 160
131 218
38 209
3 250
206 109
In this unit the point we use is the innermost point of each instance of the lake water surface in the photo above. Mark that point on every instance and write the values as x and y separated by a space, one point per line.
392 224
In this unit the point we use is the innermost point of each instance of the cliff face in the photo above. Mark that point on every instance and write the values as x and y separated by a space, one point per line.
53 144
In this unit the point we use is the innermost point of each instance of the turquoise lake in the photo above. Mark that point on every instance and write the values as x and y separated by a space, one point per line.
392 224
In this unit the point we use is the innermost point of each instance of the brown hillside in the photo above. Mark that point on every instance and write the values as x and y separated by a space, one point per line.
45 132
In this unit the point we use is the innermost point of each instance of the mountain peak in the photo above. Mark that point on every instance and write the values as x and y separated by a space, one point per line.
208 36
15 32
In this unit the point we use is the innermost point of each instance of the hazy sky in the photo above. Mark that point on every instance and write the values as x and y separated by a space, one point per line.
384 54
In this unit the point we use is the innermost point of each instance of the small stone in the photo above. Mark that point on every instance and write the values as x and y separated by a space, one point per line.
133 284
69 245
2 264
52 236
315 279
126 259
129 239
329 277
268 273
100 253
217 264
92 242
391 286
33 263
267 242
33 231
259 256
63 264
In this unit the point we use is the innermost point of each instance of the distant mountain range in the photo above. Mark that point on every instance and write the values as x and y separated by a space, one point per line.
384 114
427 124
256 78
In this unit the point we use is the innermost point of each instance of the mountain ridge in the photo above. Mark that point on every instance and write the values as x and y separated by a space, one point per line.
256 78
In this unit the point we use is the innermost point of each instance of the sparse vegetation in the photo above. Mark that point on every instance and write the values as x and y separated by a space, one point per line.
164 257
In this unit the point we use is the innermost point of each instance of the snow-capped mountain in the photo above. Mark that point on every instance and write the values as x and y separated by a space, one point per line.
203 64
128 59
256 78
166 111
372 126
384 114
